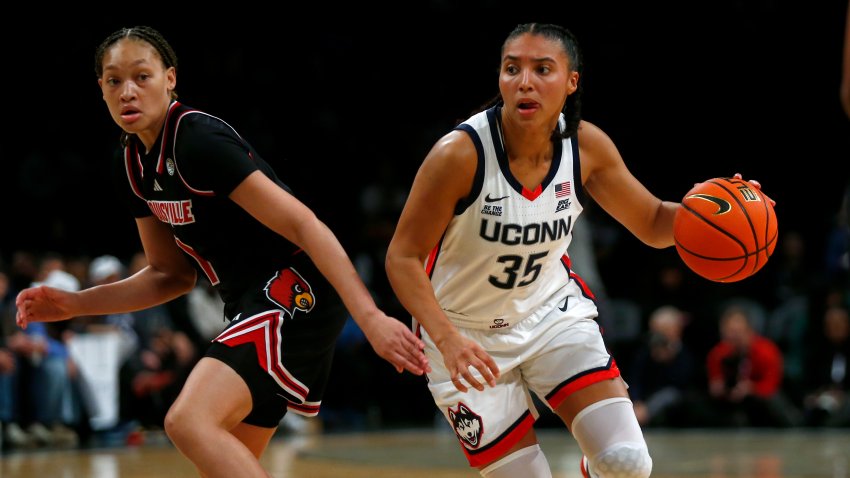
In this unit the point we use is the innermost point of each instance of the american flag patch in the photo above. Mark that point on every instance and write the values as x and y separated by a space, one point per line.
562 189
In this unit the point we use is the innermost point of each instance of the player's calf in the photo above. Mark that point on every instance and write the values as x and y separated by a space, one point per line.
529 462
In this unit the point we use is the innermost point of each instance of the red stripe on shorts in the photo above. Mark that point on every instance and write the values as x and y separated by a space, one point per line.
574 384
501 445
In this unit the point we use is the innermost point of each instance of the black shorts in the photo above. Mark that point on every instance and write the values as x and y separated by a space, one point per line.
282 342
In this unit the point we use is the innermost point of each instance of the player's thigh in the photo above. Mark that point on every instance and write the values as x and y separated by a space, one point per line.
573 368
488 423
215 393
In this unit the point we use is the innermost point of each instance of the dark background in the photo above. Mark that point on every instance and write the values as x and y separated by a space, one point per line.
336 94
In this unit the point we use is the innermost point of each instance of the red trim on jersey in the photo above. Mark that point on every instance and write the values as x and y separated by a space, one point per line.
139 159
190 188
581 283
432 259
263 330
174 105
572 385
206 266
583 286
532 195
501 446
128 163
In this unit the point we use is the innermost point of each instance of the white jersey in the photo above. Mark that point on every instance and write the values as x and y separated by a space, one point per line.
503 257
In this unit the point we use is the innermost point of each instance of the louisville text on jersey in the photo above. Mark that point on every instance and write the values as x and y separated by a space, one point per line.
173 212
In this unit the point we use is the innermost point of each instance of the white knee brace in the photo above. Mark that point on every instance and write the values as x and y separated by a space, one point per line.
611 439
529 462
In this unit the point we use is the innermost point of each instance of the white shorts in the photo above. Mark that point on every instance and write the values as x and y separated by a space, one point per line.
552 356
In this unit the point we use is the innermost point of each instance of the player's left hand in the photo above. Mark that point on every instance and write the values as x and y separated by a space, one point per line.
757 185
395 342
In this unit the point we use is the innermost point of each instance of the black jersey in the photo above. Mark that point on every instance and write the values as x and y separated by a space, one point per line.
185 181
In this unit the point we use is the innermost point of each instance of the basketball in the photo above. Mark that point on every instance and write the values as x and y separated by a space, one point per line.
726 229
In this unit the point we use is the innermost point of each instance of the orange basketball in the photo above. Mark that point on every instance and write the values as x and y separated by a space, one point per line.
725 230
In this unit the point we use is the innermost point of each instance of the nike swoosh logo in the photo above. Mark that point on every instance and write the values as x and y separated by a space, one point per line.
723 205
489 199
564 308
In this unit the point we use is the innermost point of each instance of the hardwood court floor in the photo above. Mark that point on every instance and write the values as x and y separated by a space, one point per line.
434 454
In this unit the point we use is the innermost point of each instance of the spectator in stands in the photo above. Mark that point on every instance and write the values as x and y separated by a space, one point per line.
50 370
662 378
13 435
151 377
107 269
745 371
828 402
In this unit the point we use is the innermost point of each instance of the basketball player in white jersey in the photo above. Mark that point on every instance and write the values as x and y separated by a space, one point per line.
490 216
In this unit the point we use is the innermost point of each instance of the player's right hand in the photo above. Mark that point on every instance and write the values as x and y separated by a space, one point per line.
463 358
42 304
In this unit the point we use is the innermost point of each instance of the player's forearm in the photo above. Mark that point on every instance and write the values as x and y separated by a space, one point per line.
143 290
414 291
662 225
326 252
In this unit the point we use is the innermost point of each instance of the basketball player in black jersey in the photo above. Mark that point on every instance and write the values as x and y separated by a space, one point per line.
206 202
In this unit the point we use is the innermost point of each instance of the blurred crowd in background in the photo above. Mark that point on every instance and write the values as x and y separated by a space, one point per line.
708 95
695 353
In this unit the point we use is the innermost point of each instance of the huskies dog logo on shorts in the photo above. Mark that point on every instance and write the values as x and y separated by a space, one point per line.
290 291
467 425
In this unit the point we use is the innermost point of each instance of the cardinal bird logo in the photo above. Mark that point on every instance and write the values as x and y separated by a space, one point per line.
290 291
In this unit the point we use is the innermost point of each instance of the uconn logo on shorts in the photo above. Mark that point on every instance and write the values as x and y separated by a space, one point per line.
467 425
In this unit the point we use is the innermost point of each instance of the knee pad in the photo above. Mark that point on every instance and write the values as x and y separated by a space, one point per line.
529 462
622 460
611 439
